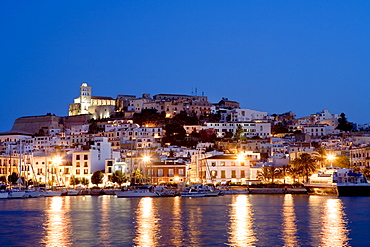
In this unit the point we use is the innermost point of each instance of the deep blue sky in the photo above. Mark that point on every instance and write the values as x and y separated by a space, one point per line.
274 56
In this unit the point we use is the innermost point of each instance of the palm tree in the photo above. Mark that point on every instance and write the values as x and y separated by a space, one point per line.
306 164
268 172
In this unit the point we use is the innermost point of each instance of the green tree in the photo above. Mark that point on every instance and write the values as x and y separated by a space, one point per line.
305 164
343 124
238 133
278 128
118 177
85 181
97 177
268 173
342 161
136 176
74 181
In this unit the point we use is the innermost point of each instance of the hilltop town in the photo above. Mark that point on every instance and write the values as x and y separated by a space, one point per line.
174 139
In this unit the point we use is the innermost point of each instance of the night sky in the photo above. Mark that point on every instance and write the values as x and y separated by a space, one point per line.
273 56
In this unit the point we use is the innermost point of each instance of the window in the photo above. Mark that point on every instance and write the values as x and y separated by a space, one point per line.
223 174
233 173
242 174
86 171
232 163
170 172
77 164
78 171
213 174
181 172
213 163
78 157
86 157
222 163
160 172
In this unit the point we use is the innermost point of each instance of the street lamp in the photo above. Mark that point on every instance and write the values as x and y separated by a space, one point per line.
146 159
331 158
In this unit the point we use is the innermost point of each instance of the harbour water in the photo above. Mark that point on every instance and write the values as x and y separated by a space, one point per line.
232 220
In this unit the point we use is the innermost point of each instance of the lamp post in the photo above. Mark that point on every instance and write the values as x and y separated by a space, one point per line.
240 158
56 162
146 159
331 158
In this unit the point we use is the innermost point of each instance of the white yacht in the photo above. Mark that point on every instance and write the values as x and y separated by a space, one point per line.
338 181
138 191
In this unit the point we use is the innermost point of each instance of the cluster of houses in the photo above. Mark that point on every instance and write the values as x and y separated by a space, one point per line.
54 150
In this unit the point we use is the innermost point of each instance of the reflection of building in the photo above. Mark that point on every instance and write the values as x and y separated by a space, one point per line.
98 107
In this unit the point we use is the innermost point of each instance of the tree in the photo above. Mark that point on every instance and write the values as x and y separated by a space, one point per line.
3 179
305 164
238 133
268 172
85 181
97 178
118 177
278 128
13 178
175 133
74 181
343 124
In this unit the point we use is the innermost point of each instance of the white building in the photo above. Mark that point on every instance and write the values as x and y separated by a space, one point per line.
250 129
86 162
228 168
317 130
246 115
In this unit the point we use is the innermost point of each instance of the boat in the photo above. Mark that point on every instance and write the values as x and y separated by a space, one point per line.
199 190
50 193
137 191
15 193
4 194
31 193
224 190
338 181
71 192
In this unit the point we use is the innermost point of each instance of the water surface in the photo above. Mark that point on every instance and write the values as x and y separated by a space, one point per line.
232 220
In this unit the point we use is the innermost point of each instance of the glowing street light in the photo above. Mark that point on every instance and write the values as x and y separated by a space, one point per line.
331 158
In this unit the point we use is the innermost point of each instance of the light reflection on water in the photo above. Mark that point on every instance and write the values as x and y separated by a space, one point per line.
104 232
241 222
177 229
57 225
334 224
194 223
237 220
289 222
147 223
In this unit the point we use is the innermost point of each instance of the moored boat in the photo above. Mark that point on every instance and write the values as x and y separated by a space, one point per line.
199 190
31 193
138 191
338 181
50 193
4 194
15 194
